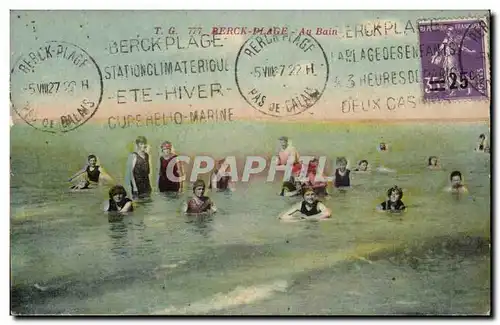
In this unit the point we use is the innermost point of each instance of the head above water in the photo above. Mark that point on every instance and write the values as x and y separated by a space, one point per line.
199 187
341 162
363 164
166 147
308 194
283 141
482 136
395 193
92 159
456 178
117 193
433 160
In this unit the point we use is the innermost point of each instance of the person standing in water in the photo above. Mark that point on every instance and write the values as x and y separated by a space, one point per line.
393 202
118 200
342 174
309 209
219 181
286 151
140 169
165 184
482 143
199 203
456 183
90 175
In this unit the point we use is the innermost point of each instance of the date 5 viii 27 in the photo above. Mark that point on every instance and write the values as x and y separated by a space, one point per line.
453 82
54 87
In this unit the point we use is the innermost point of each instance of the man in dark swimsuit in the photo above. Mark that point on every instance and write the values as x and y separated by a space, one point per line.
342 174
310 208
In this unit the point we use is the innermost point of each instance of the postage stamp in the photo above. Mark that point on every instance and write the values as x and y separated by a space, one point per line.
250 163
56 87
454 64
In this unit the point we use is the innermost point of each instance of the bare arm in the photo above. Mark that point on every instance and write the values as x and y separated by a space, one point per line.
106 206
184 207
132 178
78 173
127 207
182 175
213 181
288 215
213 208
105 176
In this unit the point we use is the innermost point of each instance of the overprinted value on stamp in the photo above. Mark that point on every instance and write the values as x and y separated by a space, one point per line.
457 67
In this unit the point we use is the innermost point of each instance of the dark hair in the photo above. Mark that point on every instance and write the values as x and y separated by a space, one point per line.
117 189
455 173
363 161
285 138
397 189
91 156
482 136
430 158
199 183
306 189
141 139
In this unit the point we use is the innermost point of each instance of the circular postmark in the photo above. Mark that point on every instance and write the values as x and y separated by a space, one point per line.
473 56
56 87
281 75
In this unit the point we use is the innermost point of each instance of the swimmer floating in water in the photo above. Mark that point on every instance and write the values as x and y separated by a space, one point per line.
456 183
433 163
220 181
118 200
199 203
393 202
90 176
383 146
309 209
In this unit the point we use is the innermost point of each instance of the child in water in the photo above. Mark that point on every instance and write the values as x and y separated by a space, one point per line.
456 183
342 174
433 163
383 146
140 169
118 200
219 180
199 203
393 202
165 184
90 175
309 209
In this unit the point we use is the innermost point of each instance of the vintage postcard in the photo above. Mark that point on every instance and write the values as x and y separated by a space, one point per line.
250 162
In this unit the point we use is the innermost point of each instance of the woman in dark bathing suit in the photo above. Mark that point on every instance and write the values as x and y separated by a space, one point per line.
309 209
118 200
199 203
165 184
140 169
